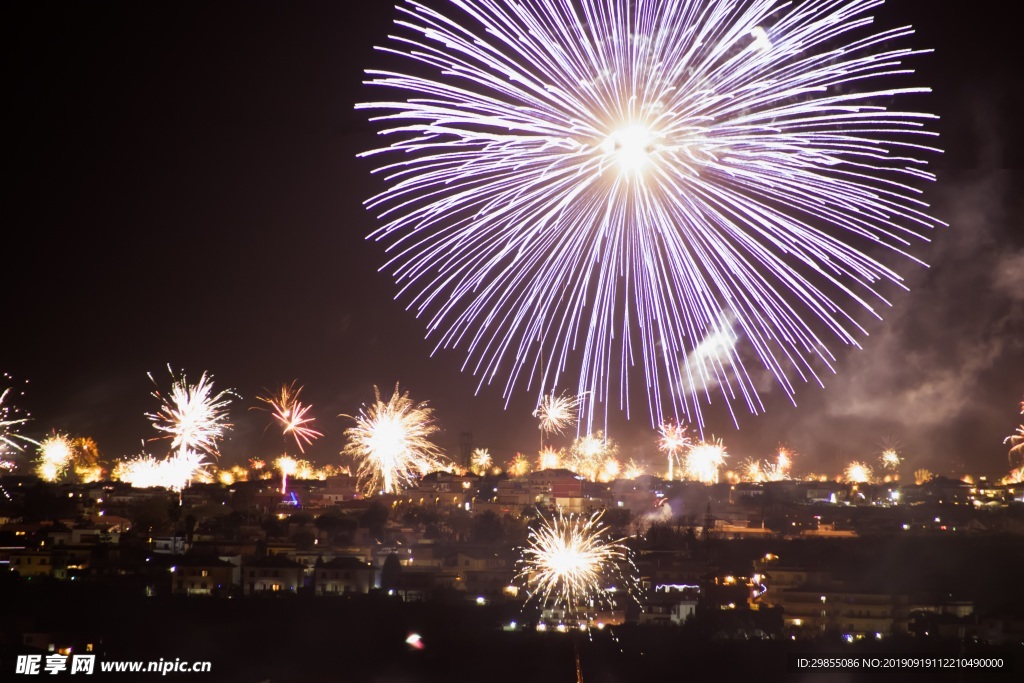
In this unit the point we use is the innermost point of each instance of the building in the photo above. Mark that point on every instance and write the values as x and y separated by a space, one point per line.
345 575
670 604
272 574
813 609
482 573
199 575
29 563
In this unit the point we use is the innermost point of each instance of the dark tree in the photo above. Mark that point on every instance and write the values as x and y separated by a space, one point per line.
374 518
389 572
487 527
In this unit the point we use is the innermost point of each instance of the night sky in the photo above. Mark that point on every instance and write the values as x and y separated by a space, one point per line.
185 190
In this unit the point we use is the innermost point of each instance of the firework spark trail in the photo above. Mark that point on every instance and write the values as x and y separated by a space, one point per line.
858 473
1016 441
5 466
391 443
1015 476
10 439
286 465
174 472
192 416
634 470
555 414
751 471
703 460
762 471
290 413
549 459
180 468
597 181
784 460
140 471
520 466
593 456
480 461
890 459
55 457
571 561
672 442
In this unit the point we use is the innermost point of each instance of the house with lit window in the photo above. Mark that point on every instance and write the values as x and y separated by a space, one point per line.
201 575
271 574
482 572
836 607
344 575
29 563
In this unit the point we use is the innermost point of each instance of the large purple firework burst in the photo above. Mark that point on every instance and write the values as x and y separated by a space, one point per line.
580 189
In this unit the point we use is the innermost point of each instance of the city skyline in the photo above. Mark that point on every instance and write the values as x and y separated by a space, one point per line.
190 195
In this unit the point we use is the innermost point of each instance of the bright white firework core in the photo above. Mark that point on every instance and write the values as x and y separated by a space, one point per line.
630 148
388 439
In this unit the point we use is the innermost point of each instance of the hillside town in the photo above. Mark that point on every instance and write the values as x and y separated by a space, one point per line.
792 560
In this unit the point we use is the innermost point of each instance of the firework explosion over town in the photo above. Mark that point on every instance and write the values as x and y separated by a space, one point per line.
720 242
253 264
